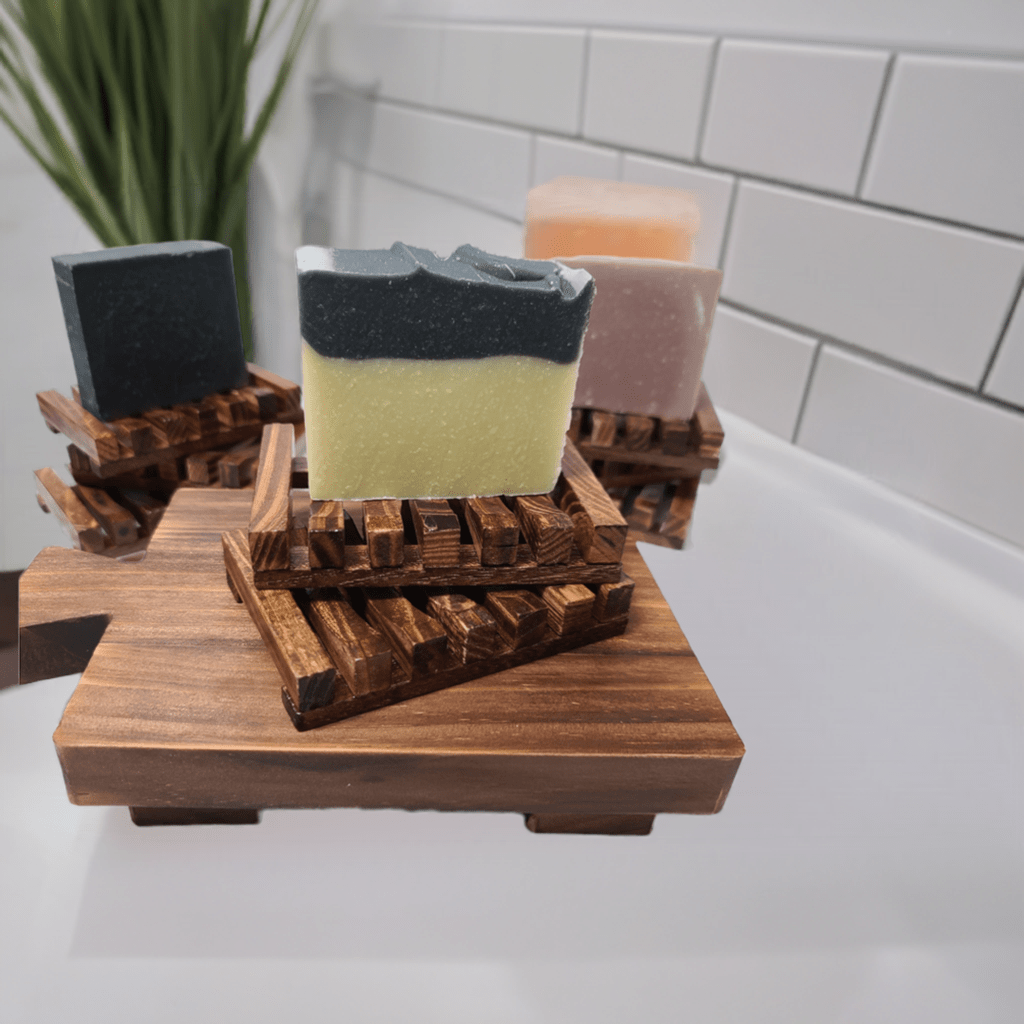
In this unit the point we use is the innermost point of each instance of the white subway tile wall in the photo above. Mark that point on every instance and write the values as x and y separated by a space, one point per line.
1006 380
927 441
950 141
758 367
800 114
478 64
866 205
915 291
646 91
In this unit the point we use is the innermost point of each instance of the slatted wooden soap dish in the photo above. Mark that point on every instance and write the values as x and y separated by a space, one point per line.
651 467
321 581
125 471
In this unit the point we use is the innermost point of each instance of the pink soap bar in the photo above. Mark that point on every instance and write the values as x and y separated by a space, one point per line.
644 350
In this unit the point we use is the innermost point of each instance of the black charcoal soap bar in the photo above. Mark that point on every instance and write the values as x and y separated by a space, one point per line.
409 303
151 325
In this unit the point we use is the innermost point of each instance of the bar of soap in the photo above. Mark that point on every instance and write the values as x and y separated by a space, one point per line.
426 377
574 216
644 349
151 325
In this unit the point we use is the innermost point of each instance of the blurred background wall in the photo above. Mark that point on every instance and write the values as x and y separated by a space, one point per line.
859 165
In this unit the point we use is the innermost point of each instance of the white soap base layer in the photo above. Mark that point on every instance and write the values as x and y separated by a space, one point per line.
420 428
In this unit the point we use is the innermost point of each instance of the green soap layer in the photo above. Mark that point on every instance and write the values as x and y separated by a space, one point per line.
423 428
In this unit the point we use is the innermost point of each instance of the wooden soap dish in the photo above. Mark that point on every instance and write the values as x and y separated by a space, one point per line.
573 535
343 652
161 436
651 467
125 471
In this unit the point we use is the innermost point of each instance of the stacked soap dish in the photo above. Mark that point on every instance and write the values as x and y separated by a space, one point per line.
651 467
364 604
125 471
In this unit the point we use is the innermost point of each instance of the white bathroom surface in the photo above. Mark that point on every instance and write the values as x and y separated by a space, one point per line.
867 867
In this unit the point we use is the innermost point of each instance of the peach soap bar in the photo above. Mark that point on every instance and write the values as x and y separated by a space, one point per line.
576 216
644 349
425 377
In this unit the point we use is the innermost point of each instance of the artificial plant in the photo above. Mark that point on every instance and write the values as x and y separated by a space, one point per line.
137 111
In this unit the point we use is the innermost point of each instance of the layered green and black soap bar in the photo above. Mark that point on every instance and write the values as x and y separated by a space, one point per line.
151 325
431 377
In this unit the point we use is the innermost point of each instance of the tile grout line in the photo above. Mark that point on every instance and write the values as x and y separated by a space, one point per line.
869 146
805 397
1014 303
705 107
581 112
908 369
734 193
800 190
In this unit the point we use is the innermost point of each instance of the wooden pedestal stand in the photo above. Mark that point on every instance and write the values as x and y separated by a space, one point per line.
651 467
178 714
125 471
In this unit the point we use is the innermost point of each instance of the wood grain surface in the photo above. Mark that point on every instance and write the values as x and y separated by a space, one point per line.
180 705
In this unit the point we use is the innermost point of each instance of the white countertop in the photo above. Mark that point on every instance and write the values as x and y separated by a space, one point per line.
868 865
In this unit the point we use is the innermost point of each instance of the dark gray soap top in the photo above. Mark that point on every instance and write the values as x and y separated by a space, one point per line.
407 303
151 325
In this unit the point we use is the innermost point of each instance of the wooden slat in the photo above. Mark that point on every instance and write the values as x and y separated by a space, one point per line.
309 674
591 824
270 521
79 425
604 428
232 409
520 615
262 402
80 524
675 436
472 631
147 509
613 599
569 607
385 534
118 523
575 424
236 468
359 652
705 423
201 468
417 641
494 529
644 513
169 427
326 534
289 395
135 433
437 531
680 512
600 530
548 530
201 417
638 434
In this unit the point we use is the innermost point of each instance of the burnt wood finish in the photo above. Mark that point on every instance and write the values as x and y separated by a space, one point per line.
438 532
385 534
147 509
414 543
65 417
79 523
494 529
600 529
548 530
181 703
520 615
326 533
569 607
155 436
653 482
592 824
117 522
613 599
472 631
418 642
359 652
308 673
270 520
